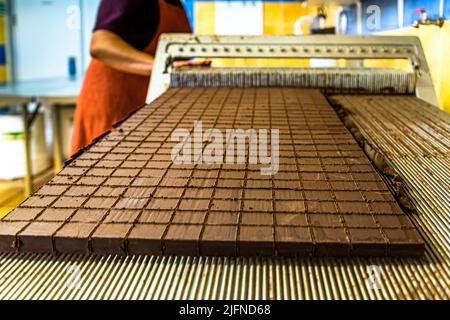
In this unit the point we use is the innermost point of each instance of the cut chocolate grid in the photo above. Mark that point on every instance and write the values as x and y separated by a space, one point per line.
124 195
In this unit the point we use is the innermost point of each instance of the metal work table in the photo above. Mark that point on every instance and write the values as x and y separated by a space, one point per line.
51 93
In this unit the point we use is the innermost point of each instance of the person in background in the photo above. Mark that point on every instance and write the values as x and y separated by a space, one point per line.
123 47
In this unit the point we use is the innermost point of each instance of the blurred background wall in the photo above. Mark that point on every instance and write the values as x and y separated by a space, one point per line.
3 43
45 34
38 37
280 17
436 41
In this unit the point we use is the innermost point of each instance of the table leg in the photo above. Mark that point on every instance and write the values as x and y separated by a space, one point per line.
57 143
28 180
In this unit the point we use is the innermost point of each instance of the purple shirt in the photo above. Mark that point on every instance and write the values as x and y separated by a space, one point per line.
135 21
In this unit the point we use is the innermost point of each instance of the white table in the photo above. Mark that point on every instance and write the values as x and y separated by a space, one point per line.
51 93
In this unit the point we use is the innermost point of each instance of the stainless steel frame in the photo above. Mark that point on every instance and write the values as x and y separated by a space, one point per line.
173 46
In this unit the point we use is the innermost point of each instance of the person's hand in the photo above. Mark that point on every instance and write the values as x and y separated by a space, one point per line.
189 63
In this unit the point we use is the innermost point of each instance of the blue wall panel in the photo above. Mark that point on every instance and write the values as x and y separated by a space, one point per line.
352 27
45 36
189 8
2 55
432 7
389 13
447 9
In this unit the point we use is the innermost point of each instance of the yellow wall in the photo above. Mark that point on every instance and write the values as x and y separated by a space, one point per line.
279 18
436 44
204 17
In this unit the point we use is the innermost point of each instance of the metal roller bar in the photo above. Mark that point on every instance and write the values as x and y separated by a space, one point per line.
332 80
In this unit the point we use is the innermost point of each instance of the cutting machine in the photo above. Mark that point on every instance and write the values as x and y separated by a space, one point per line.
394 110
416 80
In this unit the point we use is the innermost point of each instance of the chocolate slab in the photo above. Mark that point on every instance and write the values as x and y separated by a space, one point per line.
325 220
124 194
131 203
360 221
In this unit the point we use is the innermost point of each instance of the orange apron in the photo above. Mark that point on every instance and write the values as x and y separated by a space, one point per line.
108 95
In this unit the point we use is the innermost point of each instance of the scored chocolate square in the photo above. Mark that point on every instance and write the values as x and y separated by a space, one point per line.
110 238
331 241
293 240
8 232
37 237
368 242
146 239
124 195
219 241
182 240
73 237
256 240
23 214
